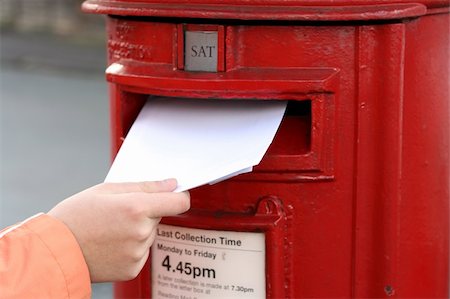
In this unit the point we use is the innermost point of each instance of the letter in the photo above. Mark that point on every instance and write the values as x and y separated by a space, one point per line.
210 48
202 52
194 51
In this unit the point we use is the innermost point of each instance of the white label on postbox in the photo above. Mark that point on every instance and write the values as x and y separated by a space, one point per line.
200 51
198 264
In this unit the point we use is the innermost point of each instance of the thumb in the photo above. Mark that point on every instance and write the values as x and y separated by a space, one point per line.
133 187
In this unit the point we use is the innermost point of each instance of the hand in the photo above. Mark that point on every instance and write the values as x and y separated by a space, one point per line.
115 224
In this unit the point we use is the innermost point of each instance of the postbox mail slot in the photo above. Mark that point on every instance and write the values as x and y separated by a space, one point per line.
303 146
303 149
294 134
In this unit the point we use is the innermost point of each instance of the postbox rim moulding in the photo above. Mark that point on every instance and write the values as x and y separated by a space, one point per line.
260 10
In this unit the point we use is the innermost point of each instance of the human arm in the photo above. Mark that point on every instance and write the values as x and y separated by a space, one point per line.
103 234
115 224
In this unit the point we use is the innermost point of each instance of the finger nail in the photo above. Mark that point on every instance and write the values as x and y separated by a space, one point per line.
170 181
167 180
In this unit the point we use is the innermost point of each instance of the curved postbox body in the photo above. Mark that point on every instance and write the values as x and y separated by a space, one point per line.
352 197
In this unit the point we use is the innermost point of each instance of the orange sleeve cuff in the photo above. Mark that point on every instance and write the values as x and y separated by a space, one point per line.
63 246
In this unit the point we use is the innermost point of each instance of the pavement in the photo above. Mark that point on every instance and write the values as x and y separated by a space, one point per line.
54 126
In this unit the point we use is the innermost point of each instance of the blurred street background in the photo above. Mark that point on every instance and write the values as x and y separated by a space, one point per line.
54 127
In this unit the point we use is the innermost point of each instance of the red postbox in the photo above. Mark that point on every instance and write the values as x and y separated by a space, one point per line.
352 197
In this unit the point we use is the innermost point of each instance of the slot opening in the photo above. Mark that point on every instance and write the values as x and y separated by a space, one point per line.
294 134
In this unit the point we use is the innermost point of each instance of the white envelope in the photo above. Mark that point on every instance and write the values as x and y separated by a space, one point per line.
196 141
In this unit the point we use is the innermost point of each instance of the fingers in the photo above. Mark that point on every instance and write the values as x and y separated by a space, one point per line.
155 205
147 187
170 204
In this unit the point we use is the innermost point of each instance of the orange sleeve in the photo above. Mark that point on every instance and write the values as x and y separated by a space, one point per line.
40 258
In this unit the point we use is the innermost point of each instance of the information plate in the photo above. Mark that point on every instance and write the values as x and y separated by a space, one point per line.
198 264
200 52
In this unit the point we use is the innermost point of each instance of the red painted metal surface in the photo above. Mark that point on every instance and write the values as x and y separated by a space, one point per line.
354 191
382 11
